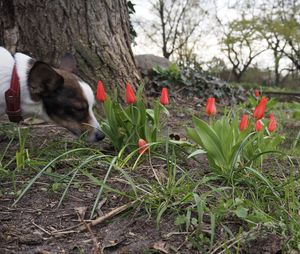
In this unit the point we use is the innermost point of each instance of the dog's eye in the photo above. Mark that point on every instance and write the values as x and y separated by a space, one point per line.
80 107
79 111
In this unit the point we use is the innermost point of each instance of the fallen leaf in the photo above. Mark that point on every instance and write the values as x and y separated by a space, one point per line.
162 247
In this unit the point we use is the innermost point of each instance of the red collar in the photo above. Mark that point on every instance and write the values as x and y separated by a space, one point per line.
12 98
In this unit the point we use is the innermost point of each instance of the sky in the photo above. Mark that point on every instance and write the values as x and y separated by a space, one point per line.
208 44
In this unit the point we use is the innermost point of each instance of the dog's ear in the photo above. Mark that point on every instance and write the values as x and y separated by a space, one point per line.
43 80
68 63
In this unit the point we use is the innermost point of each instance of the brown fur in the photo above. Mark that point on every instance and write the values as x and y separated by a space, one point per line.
61 95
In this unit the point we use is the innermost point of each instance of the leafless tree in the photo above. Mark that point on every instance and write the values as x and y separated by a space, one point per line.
175 25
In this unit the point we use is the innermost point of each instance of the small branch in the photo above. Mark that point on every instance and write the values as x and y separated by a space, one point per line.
83 226
107 216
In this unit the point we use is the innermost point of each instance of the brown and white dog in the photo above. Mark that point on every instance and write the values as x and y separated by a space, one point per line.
54 95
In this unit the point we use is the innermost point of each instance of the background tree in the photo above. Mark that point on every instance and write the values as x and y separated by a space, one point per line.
279 27
289 14
241 45
175 25
95 31
270 28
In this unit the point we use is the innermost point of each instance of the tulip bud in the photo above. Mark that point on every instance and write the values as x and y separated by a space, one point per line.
258 125
259 111
142 144
272 123
211 107
130 96
164 99
244 123
101 95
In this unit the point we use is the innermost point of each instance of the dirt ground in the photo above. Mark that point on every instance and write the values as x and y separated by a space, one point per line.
36 225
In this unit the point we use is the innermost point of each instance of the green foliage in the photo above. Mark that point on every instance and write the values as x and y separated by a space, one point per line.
124 126
192 81
221 142
22 156
172 74
227 149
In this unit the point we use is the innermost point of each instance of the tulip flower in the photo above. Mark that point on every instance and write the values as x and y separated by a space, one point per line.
130 96
142 146
258 125
101 95
272 123
211 107
256 93
259 111
244 122
164 99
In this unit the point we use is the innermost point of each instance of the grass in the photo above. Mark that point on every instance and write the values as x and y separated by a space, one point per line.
215 216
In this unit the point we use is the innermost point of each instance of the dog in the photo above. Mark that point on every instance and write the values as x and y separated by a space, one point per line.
52 94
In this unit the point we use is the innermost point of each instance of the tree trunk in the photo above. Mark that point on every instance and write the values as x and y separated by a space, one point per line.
276 68
237 75
95 31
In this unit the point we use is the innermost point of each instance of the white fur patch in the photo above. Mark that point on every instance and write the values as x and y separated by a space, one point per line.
28 106
6 67
89 95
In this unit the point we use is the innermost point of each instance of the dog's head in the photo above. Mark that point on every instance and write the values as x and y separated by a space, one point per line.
67 100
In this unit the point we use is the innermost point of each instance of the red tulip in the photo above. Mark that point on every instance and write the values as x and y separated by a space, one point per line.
164 99
130 96
211 107
101 95
244 123
258 125
256 92
259 111
272 123
142 146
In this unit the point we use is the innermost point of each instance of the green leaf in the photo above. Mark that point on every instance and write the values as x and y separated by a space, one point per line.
211 142
198 151
192 134
200 207
180 220
237 149
241 212
150 112
161 210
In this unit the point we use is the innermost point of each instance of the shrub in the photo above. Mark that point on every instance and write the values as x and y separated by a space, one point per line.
194 81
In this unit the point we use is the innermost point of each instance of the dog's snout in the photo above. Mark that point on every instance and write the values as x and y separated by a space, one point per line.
99 135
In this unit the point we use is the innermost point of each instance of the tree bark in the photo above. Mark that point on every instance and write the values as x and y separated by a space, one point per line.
95 31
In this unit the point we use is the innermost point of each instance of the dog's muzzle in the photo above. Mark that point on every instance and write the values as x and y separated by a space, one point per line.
97 136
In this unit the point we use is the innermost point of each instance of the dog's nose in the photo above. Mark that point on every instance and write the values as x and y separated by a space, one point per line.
99 135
